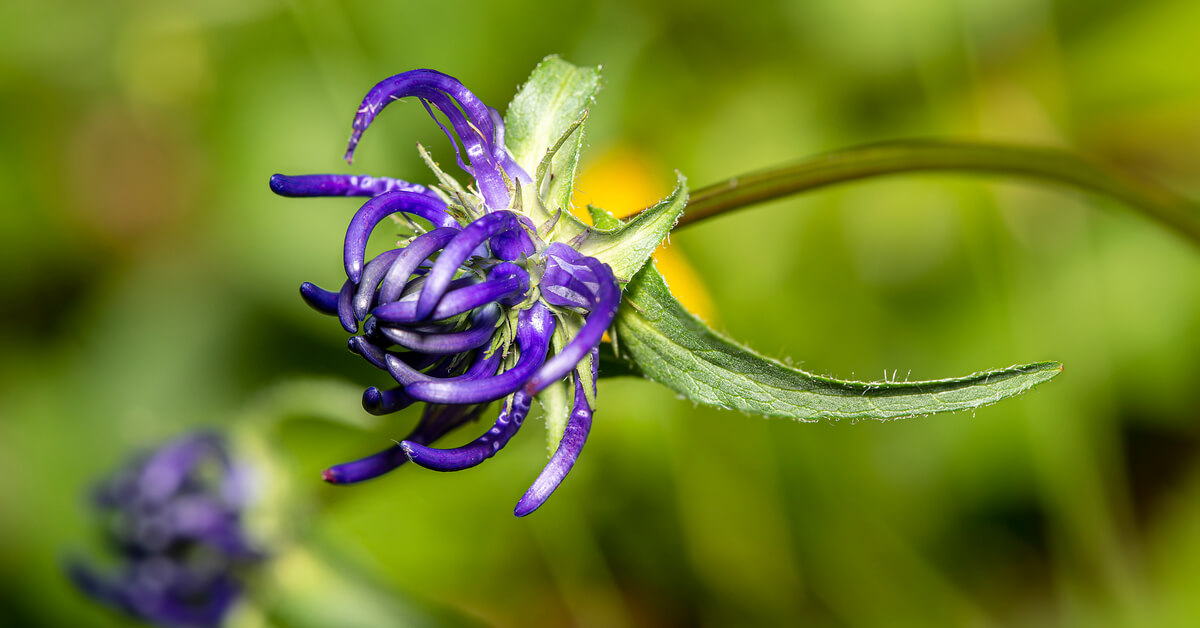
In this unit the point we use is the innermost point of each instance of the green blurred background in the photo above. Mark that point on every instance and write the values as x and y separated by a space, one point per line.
150 286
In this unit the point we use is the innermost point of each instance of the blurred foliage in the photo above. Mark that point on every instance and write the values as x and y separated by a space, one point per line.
150 286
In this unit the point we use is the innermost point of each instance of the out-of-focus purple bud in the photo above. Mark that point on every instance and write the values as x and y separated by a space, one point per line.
176 522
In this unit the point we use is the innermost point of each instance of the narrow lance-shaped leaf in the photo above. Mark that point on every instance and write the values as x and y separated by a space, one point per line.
674 348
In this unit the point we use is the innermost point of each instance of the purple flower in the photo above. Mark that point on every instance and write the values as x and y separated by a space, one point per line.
175 524
475 307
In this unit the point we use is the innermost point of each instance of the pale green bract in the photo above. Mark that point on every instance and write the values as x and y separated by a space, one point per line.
655 335
626 247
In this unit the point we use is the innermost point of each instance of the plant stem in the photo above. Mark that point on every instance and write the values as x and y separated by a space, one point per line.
874 160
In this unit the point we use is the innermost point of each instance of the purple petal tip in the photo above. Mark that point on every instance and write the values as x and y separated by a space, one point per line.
278 184
526 506
372 399
352 145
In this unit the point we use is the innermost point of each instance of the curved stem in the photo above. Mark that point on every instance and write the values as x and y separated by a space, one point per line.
874 160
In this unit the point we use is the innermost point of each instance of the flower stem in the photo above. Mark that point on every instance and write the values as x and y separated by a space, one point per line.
873 160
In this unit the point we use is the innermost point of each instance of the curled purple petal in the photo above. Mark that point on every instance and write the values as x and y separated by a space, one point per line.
534 328
471 119
456 252
380 207
481 331
406 374
485 365
404 311
573 439
505 273
436 421
373 272
345 307
403 373
456 120
409 258
342 185
366 468
323 301
501 154
377 356
506 426
507 284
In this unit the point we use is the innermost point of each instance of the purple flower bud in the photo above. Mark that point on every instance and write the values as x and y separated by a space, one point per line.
514 243
568 281
603 309
378 356
435 313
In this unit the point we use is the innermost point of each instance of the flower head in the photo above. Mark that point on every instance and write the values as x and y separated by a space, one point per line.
478 304
175 524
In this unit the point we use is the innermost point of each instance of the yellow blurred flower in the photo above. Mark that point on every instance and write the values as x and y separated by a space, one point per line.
623 181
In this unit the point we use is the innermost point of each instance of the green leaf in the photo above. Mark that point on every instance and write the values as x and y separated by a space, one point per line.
675 348
874 160
626 248
545 119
